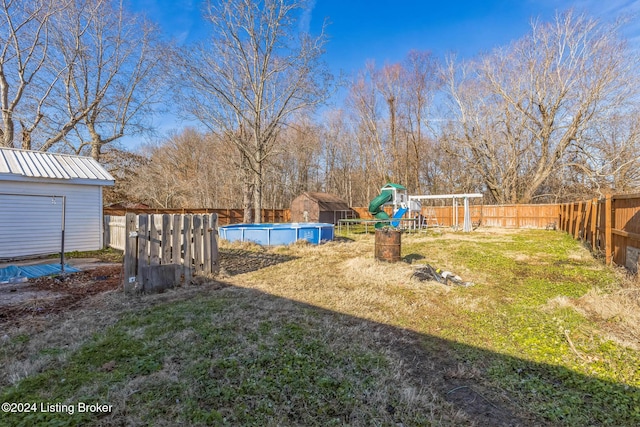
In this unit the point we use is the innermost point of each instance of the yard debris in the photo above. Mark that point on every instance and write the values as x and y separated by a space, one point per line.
427 272
48 295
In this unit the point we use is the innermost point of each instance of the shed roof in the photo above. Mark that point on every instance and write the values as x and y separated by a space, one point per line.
26 165
327 202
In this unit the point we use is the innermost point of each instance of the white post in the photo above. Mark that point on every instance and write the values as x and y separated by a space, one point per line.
467 216
455 214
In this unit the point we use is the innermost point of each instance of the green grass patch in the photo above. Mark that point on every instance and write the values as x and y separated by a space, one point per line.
104 255
214 361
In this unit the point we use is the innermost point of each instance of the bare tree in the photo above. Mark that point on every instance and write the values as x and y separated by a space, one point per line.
24 52
186 169
607 161
252 75
342 165
124 166
521 109
389 107
420 84
79 71
295 165
388 82
112 75
366 112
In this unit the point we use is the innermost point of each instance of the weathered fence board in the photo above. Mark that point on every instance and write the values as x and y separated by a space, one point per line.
176 242
154 242
142 259
165 239
130 251
197 242
114 235
168 247
186 246
206 245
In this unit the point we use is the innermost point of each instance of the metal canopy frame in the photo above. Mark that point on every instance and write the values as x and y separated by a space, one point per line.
466 227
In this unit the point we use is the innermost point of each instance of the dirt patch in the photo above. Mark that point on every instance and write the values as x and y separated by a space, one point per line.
46 295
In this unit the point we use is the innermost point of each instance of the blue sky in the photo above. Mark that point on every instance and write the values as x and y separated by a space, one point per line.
385 31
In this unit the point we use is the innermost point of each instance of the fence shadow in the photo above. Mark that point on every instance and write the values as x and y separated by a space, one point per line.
455 372
239 261
458 373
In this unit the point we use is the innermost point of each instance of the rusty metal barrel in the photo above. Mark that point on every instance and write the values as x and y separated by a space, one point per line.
388 245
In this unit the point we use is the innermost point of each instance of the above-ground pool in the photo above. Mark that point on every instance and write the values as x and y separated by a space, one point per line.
278 234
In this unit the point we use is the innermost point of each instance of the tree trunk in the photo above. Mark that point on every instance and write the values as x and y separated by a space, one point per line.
95 150
257 191
7 129
247 191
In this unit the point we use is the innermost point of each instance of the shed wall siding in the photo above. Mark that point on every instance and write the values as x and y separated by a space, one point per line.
31 225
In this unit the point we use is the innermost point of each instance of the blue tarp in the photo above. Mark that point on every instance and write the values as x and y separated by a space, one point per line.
14 274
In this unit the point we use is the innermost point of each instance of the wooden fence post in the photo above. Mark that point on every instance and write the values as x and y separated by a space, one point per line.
143 240
607 229
130 253
560 216
215 264
594 223
571 221
106 233
576 231
206 245
186 230
587 224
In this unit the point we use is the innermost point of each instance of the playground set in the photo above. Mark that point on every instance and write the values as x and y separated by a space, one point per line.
407 209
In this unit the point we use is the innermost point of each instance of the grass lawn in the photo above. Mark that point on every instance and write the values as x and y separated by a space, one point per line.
329 336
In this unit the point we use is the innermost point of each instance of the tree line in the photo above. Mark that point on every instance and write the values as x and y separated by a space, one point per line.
550 117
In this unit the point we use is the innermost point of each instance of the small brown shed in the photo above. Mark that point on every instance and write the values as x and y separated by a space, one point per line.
320 207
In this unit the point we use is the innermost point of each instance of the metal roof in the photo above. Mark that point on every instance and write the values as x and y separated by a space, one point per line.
24 164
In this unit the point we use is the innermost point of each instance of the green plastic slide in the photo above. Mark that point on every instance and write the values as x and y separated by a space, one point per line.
375 207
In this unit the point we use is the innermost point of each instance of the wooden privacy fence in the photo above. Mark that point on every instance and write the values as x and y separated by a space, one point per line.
225 216
503 216
609 225
159 250
114 232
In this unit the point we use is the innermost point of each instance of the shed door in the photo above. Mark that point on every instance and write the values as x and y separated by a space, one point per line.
29 225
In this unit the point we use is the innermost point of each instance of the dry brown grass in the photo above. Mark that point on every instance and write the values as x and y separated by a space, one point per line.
617 310
344 277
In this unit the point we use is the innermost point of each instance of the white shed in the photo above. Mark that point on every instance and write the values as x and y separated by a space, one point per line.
47 199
